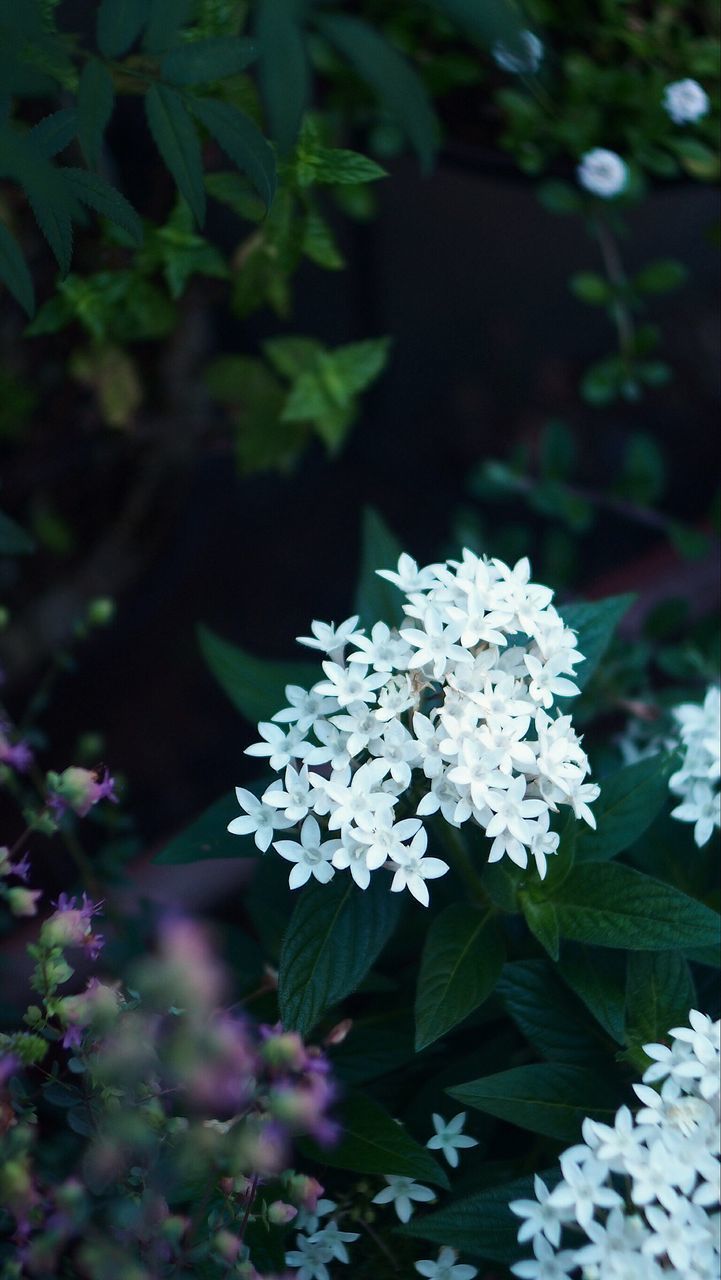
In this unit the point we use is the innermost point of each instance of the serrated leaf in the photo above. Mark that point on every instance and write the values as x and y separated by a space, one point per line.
547 1098
208 837
357 364
165 19
615 906
659 994
338 167
14 271
391 77
372 1142
548 1016
119 25
542 920
54 208
334 936
595 623
598 979
461 962
242 141
203 61
376 599
481 1225
176 138
630 799
256 686
235 190
319 244
284 69
96 98
14 541
292 355
54 133
91 189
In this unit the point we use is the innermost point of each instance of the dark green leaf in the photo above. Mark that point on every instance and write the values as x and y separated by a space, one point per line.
560 197
14 272
203 61
373 1142
591 288
119 25
546 1098
487 22
542 920
376 598
550 1018
54 133
659 994
176 138
481 1225
338 167
661 277
630 799
208 836
242 141
595 623
91 189
256 686
391 77
14 541
598 979
462 958
335 934
96 98
292 354
165 19
615 906
284 69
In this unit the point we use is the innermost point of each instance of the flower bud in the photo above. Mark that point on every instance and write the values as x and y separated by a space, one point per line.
280 1213
22 901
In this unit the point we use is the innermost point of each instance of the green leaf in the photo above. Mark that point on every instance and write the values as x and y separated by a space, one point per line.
542 920
591 288
50 197
391 77
165 19
319 244
54 133
487 22
208 837
256 686
358 364
119 25
338 167
630 799
550 1018
659 994
292 354
14 541
595 623
234 190
481 1225
597 978
242 141
14 272
377 599
547 1098
560 197
96 98
203 61
615 906
643 476
91 189
372 1142
462 959
177 141
661 277
284 69
335 934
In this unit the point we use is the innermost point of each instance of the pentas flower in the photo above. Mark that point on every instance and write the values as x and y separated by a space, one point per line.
685 101
697 781
403 1194
449 1137
603 173
666 1162
454 713
445 1267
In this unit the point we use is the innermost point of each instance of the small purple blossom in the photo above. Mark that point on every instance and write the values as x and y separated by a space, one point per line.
16 754
79 790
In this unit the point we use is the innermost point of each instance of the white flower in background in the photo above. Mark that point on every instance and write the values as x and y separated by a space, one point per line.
445 1268
603 173
308 1220
310 1257
404 1194
450 1138
686 101
522 56
335 1241
454 712
697 781
261 820
666 1159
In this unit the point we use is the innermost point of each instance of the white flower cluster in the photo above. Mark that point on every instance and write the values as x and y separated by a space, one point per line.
642 1193
685 101
450 713
603 173
697 781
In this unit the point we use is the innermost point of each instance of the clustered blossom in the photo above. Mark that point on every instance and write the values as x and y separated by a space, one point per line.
20 900
685 101
454 712
638 1199
17 755
79 789
603 173
697 781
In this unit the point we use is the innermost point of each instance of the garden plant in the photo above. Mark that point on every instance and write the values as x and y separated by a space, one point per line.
394 950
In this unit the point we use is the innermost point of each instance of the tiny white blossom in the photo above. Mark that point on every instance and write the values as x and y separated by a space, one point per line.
445 1267
260 819
603 173
541 1217
686 101
403 1194
335 1241
521 56
408 576
450 1138
310 1257
329 638
312 856
280 745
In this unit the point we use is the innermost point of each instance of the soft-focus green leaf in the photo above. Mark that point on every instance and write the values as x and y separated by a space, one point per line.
661 277
292 355
595 623
14 271
487 22
242 141
547 1098
378 600
54 133
208 837
630 799
91 189
284 69
372 1142
256 686
591 288
462 959
203 61
14 541
176 138
481 1225
334 936
165 19
96 99
119 25
338 167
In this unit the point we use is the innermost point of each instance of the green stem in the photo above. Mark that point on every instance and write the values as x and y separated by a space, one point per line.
617 277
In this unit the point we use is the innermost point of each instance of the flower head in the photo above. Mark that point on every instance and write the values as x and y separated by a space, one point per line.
685 101
603 173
